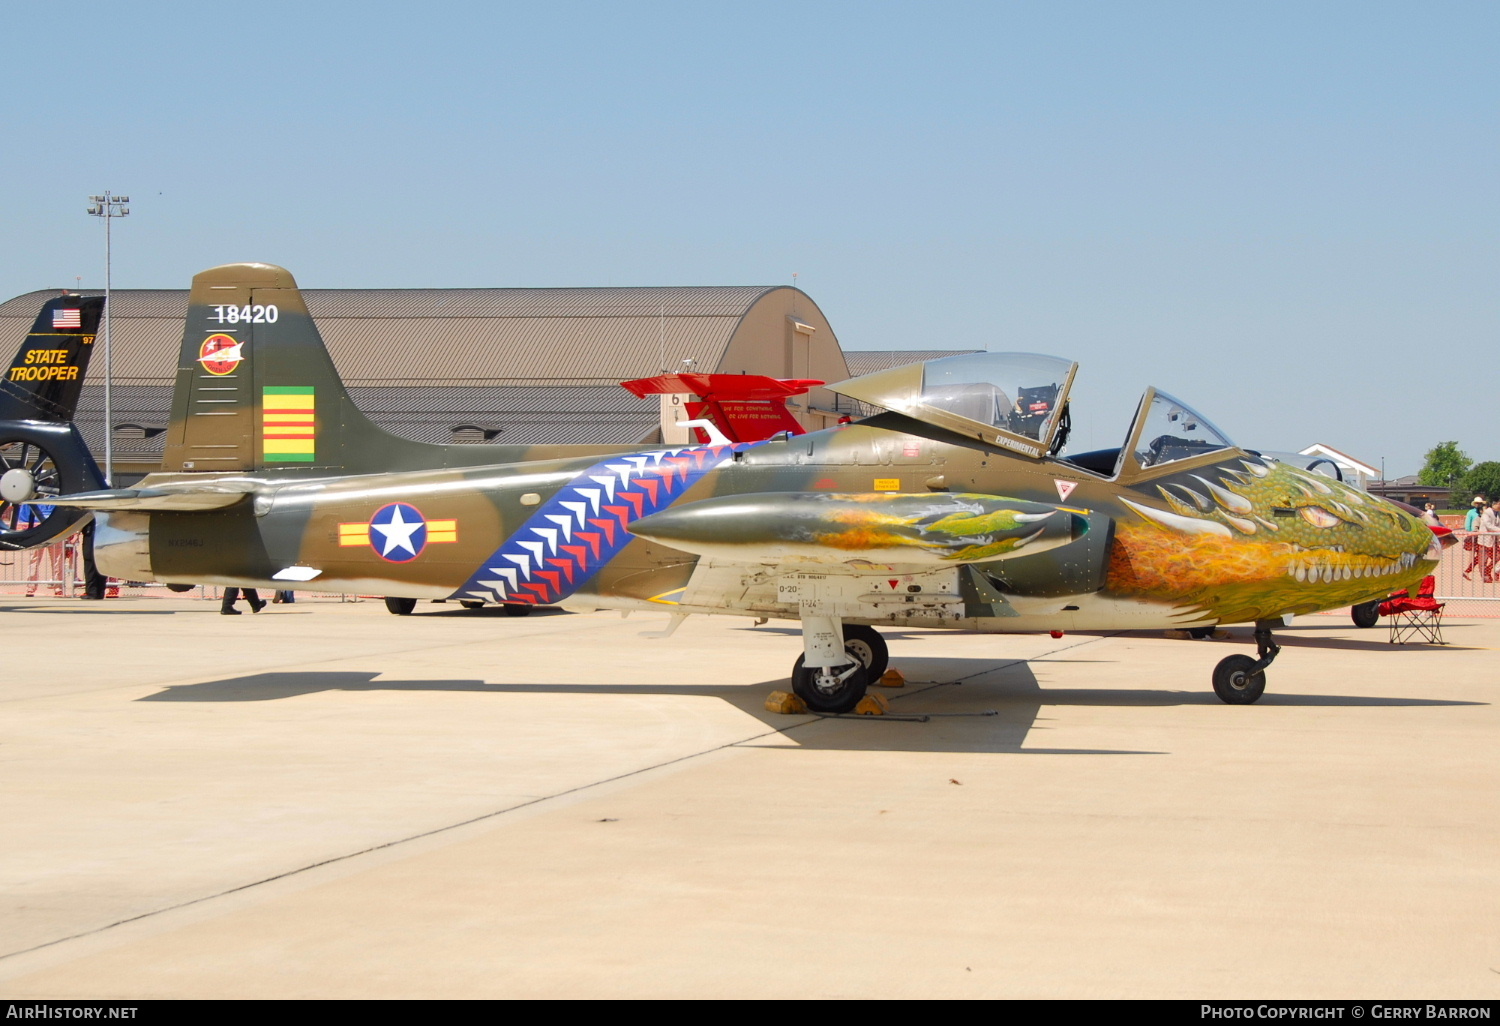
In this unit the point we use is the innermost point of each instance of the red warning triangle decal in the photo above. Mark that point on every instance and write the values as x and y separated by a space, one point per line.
1064 488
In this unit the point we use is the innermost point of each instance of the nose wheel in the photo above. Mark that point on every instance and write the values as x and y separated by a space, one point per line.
829 689
837 663
1240 680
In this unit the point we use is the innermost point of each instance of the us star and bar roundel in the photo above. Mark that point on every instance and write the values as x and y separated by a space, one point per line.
288 426
220 354
563 544
398 532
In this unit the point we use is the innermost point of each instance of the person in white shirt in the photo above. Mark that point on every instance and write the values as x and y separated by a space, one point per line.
1489 540
1471 541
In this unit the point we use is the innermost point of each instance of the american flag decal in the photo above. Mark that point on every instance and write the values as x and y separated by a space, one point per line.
585 525
63 317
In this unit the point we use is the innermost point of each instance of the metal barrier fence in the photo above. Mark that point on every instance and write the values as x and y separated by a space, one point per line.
1468 578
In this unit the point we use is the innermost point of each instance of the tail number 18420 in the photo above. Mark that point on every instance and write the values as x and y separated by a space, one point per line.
245 314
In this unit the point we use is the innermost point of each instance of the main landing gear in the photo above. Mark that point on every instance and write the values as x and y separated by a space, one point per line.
832 678
1240 680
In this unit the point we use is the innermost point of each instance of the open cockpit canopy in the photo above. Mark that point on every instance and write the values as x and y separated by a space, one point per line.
1170 430
1012 400
1165 431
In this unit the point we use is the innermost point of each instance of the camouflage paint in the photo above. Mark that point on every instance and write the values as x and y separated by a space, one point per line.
1220 536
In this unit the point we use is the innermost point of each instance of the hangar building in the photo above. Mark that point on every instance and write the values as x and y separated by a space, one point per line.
486 365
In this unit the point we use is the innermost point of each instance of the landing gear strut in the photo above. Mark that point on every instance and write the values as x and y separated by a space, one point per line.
1240 680
831 677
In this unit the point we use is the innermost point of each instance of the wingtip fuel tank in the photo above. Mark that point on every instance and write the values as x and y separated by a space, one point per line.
831 529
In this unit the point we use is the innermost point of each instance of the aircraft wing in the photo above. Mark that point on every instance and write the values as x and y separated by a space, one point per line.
186 499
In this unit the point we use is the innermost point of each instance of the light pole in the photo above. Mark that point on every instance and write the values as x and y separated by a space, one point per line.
108 207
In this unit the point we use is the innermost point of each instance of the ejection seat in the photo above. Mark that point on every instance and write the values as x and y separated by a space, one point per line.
1417 618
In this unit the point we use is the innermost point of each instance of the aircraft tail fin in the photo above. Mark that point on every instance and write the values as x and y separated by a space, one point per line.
44 380
42 453
256 388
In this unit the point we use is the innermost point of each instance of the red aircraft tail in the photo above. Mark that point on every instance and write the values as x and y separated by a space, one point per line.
746 407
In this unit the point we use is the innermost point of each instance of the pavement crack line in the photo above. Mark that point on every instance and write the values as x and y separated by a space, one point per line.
497 813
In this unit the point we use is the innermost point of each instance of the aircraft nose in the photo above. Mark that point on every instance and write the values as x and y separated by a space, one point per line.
1417 537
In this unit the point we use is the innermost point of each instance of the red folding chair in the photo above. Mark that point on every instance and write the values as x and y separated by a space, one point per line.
1415 619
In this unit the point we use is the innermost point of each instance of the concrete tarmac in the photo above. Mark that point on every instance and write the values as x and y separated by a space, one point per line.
328 801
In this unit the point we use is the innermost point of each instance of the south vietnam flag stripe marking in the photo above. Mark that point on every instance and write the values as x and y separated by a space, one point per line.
288 424
297 397
354 534
442 531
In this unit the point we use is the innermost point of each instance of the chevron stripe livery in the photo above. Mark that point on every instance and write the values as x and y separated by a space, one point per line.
573 534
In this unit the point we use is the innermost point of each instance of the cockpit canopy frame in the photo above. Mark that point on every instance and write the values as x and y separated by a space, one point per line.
1168 436
1010 400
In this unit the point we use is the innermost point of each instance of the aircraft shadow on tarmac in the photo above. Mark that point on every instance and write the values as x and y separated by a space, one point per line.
978 707
86 609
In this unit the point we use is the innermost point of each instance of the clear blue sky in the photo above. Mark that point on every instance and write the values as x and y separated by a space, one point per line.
1285 213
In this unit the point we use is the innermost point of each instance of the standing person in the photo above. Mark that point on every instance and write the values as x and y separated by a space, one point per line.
46 568
1489 540
1429 515
1471 541
232 594
42 563
94 582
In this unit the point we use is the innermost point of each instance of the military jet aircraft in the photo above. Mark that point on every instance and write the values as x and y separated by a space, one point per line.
41 452
949 506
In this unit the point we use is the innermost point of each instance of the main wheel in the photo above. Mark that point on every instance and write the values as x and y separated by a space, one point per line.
516 609
1366 614
471 603
400 606
830 691
866 645
1237 682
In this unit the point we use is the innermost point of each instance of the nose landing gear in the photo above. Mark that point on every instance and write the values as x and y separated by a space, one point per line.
1240 680
832 677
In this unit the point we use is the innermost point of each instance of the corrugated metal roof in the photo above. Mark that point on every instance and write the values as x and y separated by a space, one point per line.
589 415
466 336
538 365
647 301
868 361
531 350
127 303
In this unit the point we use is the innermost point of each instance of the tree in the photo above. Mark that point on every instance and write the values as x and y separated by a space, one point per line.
1482 479
1446 463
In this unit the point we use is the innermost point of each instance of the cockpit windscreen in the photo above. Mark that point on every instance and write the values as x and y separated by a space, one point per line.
1016 392
1174 431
